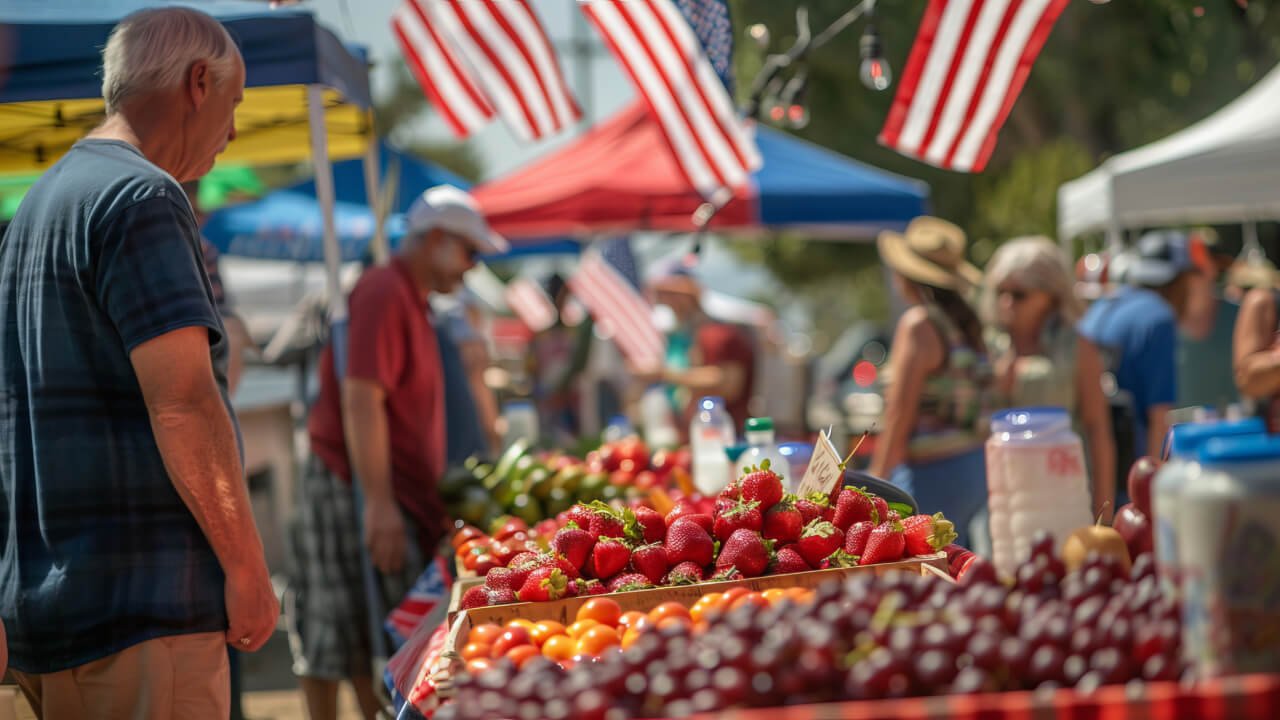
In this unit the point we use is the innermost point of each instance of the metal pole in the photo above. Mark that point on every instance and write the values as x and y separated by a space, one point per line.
583 65
379 247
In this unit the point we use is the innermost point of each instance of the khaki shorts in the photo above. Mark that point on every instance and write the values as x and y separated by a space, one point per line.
180 676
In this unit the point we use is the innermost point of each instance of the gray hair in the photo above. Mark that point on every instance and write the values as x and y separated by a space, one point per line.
154 49
1037 263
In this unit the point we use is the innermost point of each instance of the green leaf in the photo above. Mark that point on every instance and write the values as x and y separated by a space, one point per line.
902 509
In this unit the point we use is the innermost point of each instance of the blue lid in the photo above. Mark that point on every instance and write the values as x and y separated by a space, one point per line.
1240 450
801 452
735 451
711 402
521 404
1185 439
620 420
1030 419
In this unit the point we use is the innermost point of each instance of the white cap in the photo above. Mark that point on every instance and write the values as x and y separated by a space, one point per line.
454 211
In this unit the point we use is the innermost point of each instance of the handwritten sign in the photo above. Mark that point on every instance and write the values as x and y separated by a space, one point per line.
825 471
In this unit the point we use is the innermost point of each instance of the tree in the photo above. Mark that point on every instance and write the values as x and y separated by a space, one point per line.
404 108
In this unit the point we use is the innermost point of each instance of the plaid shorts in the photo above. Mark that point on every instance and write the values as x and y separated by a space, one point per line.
325 605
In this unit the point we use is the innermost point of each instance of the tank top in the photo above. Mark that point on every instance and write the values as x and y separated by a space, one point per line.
1047 379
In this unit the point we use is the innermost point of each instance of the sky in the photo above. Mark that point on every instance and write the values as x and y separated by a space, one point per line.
368 23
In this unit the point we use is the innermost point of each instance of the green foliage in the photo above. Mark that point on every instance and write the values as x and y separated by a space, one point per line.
403 107
1112 77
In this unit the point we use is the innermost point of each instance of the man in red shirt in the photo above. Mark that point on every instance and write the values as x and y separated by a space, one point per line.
384 423
718 358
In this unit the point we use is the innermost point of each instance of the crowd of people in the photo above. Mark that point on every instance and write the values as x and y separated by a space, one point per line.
131 559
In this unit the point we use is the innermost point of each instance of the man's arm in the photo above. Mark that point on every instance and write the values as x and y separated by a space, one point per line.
1257 365
198 445
724 380
1095 415
364 419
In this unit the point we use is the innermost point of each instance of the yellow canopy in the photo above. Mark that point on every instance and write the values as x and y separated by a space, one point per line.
271 128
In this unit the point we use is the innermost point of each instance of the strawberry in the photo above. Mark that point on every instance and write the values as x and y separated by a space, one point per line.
477 596
811 508
554 560
957 562
580 515
783 522
590 587
545 583
524 558
927 534
761 485
682 508
853 506
727 574
839 559
732 491
653 525
953 550
605 522
502 597
686 573
650 561
819 539
574 544
855 541
609 557
702 520
746 551
507 578
885 544
790 561
687 541
744 515
625 582
882 507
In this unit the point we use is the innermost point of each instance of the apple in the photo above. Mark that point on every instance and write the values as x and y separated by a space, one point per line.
1135 527
1095 538
1141 474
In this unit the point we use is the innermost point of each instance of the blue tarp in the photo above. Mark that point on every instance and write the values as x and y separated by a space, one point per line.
413 174
53 47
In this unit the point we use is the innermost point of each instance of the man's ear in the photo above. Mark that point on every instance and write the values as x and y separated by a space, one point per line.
199 82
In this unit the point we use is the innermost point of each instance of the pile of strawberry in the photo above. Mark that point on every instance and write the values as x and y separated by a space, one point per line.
754 529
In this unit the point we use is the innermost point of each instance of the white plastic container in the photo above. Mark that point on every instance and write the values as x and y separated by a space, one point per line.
1181 469
619 428
762 446
521 421
710 432
1228 549
658 418
1036 480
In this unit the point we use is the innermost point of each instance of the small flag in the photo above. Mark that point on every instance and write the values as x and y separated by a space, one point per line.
531 304
969 62
608 283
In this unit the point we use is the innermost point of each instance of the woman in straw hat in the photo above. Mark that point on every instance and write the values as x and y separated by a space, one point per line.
940 380
1030 303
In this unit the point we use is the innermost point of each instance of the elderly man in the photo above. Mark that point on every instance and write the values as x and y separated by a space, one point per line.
131 557
383 423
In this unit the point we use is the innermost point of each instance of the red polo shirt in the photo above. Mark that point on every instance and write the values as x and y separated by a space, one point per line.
391 342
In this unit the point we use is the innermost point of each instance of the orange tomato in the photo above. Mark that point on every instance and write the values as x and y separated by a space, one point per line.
485 634
673 620
712 598
733 594
667 610
800 595
469 546
597 639
528 625
559 648
577 629
702 611
629 619
522 654
751 598
479 665
603 610
545 629
774 595
476 650
629 637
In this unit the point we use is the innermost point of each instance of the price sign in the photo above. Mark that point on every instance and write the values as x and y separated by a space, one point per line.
825 471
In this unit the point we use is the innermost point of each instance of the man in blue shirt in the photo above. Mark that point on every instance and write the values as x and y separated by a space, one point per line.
1136 329
130 556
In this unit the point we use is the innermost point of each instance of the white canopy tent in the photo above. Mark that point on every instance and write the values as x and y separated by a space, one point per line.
1221 169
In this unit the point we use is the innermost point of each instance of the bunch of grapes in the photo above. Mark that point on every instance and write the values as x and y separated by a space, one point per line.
869 637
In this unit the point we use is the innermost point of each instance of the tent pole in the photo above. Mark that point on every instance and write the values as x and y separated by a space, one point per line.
373 192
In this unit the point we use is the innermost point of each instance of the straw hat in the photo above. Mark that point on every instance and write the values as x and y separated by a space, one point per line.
931 251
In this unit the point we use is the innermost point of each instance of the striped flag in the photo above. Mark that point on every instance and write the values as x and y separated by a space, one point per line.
608 283
669 64
530 303
477 58
970 61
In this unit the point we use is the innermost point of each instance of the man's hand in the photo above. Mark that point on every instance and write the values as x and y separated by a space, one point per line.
384 535
252 608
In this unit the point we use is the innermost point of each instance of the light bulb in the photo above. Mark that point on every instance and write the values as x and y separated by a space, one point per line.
875 73
1099 2
777 113
759 34
798 116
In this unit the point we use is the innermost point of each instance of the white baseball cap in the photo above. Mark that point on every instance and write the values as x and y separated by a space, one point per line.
454 211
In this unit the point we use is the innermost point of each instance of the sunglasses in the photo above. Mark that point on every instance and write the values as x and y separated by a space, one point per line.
1016 294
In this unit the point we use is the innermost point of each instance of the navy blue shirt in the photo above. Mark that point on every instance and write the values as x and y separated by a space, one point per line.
1140 329
464 435
100 553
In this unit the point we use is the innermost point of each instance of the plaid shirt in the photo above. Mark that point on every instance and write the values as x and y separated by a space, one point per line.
100 552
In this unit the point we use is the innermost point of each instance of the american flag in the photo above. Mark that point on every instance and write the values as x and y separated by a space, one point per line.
428 591
530 303
667 59
608 283
475 58
970 61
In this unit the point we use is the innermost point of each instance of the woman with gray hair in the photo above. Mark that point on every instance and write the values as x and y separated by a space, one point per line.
1031 309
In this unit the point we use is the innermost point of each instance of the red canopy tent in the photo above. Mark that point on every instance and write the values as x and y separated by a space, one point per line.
618 177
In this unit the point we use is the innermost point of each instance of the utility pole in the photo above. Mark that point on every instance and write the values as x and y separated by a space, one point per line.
582 47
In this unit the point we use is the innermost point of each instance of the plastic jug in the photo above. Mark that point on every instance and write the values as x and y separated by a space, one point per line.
659 419
762 446
1036 480
522 422
710 432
